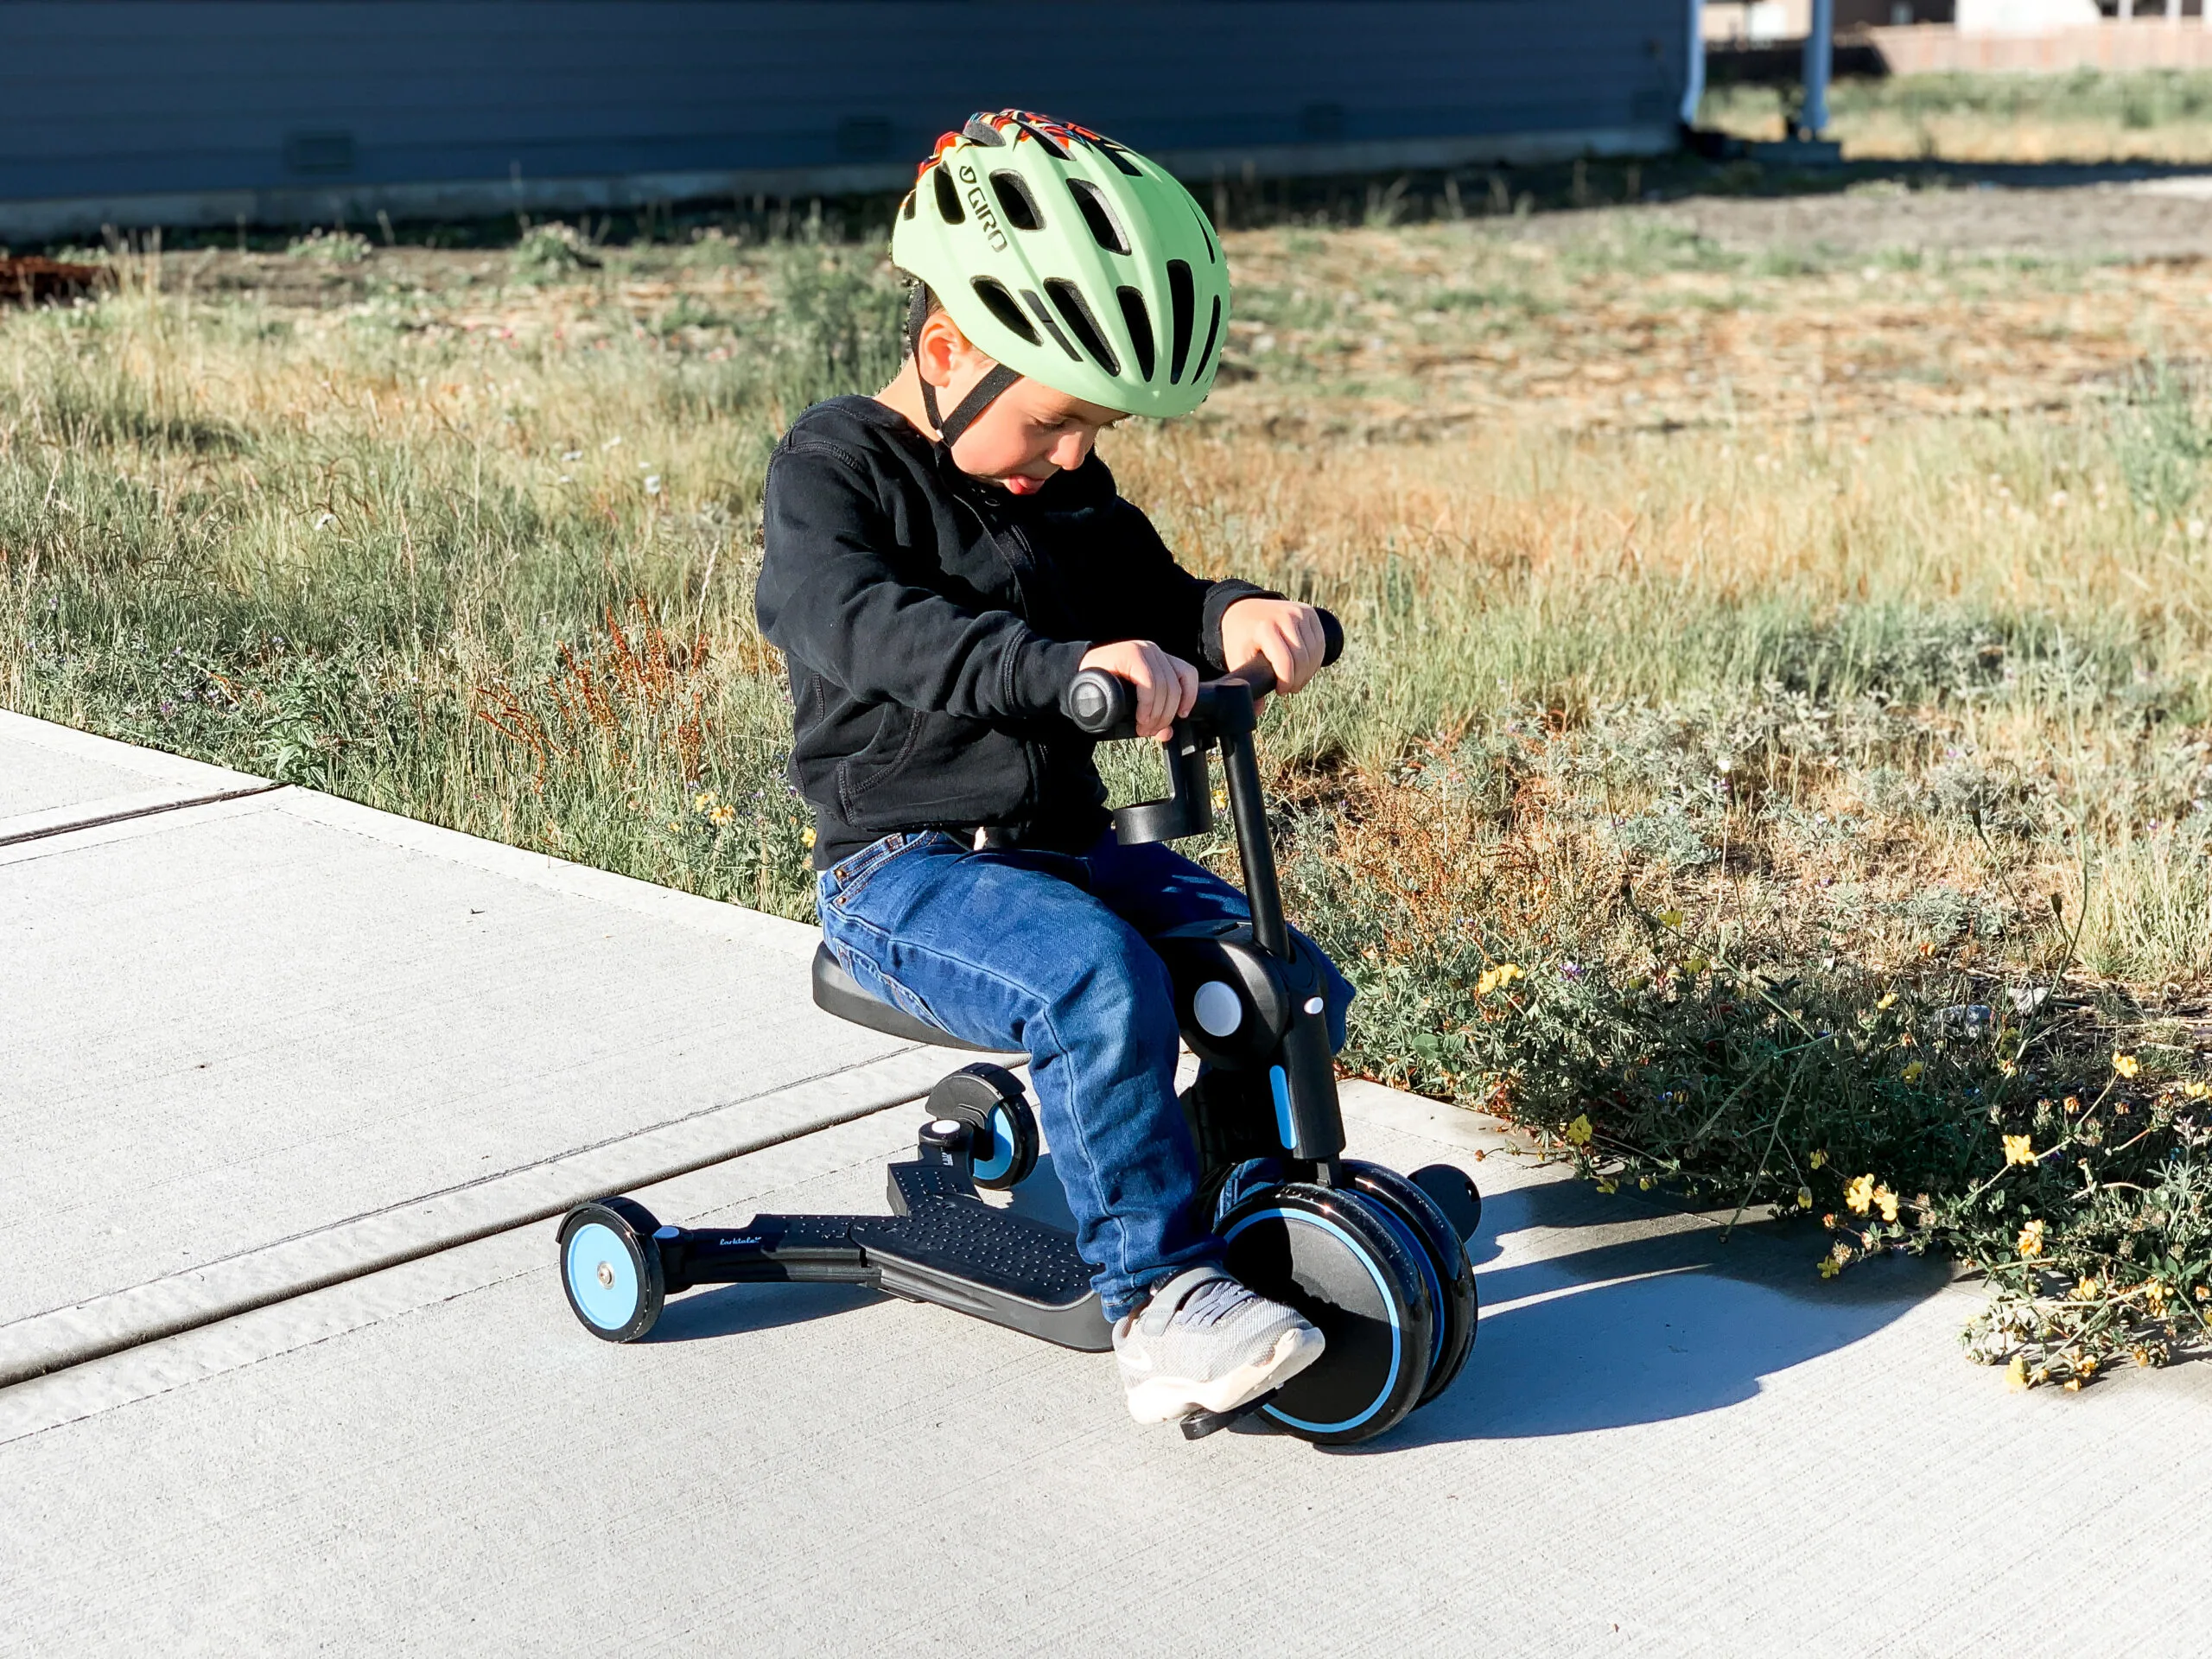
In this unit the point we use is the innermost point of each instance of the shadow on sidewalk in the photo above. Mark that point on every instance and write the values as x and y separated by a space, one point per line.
1644 1324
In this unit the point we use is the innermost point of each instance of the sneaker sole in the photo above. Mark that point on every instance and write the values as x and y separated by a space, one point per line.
1171 1399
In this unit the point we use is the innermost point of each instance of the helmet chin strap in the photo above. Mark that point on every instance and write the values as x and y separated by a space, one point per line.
984 394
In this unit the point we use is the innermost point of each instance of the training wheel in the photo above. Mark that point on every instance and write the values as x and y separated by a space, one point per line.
610 1268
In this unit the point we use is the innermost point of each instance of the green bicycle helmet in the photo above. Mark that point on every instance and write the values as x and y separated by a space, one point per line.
1069 259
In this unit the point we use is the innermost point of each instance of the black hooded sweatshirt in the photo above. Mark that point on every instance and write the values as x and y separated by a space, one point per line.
930 622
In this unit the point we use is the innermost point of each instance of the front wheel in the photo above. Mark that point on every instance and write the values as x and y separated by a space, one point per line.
1332 1255
1408 1201
611 1268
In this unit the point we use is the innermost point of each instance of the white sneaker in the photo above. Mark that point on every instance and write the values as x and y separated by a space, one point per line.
1204 1343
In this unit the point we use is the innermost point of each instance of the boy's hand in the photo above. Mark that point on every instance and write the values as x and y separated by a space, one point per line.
1165 686
1285 632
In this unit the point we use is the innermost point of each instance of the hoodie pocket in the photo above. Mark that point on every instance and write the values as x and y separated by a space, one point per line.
880 760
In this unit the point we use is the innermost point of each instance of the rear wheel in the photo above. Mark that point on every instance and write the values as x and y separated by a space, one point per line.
1334 1256
611 1268
1002 1129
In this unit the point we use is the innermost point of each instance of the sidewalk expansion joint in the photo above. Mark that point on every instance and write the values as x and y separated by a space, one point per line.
119 809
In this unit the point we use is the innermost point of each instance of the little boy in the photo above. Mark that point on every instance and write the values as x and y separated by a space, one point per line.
941 560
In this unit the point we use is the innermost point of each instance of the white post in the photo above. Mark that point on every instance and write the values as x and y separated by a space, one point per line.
1693 83
1820 59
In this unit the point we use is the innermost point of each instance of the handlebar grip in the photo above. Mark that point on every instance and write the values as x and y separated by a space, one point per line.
1101 704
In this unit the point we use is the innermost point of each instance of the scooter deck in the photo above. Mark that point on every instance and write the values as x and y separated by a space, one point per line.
942 1244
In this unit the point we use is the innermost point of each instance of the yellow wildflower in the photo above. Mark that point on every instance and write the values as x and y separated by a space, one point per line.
2073 1385
1804 1198
1819 1158
1911 1073
2019 1149
1888 997
1578 1133
1859 1195
1643 1183
2127 1064
2016 1374
2031 1240
722 814
704 799
1670 918
1830 1267
806 836
1888 1202
1609 1186
2085 1290
1497 978
1695 964
2073 1104
2198 1090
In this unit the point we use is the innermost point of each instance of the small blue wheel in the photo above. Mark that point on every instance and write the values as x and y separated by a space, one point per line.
611 1268
1013 1152
1002 1129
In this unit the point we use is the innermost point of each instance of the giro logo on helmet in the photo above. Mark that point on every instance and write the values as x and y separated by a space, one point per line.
979 205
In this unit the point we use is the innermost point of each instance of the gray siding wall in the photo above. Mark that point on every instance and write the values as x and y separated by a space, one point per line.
135 97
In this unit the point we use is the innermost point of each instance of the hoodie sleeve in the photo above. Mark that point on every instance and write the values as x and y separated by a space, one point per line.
1167 604
836 594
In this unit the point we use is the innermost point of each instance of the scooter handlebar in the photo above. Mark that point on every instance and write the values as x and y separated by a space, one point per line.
1103 703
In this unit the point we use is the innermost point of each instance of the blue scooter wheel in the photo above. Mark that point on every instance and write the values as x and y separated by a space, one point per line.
611 1268
1331 1253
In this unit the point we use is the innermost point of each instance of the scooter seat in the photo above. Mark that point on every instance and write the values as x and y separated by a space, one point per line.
837 992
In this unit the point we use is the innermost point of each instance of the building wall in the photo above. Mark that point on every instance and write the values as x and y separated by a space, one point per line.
291 103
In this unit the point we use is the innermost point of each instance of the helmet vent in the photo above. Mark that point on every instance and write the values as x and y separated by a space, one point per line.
1015 201
1029 298
1213 332
948 197
1182 305
1043 137
1001 305
1120 157
1140 322
1213 253
1067 299
1098 216
907 209
979 131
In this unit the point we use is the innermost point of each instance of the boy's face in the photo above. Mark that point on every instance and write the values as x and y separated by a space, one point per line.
1029 433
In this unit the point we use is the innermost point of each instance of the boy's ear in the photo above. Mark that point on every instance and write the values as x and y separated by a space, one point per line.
944 349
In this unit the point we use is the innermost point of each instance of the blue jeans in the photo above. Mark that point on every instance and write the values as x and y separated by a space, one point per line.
1047 952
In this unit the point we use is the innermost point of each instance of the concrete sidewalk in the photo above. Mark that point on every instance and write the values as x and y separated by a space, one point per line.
289 1088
